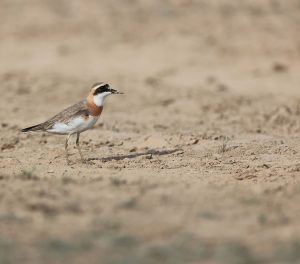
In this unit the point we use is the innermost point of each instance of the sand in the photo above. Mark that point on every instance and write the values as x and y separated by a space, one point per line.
198 162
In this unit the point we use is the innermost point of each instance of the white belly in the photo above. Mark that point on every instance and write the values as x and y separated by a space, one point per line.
78 124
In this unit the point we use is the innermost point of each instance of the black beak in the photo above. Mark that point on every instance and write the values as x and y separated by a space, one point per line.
115 91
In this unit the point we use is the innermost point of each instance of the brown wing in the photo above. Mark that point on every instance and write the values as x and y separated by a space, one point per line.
66 115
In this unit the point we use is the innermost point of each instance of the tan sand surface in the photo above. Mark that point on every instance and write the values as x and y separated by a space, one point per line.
199 160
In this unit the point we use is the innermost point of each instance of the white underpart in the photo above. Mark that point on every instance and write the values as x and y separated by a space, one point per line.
99 98
78 124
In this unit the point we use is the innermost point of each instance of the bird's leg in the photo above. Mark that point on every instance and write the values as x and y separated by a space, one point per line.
66 149
78 147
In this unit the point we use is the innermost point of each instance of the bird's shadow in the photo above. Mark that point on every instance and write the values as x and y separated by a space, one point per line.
152 152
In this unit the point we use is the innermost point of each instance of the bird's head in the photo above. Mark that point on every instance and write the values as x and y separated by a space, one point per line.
100 91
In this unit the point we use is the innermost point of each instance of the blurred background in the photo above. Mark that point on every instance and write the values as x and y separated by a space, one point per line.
136 38
147 48
210 120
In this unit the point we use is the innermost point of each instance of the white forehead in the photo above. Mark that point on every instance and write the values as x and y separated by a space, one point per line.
98 85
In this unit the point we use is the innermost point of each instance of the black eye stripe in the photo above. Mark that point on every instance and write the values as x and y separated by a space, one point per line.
102 89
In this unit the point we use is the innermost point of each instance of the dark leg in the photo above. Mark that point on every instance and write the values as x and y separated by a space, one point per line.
66 149
78 147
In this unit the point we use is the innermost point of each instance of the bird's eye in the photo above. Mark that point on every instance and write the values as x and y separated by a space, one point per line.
106 88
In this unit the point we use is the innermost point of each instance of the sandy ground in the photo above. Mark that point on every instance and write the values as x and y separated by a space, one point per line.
197 163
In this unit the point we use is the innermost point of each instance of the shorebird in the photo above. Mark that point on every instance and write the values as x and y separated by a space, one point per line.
78 117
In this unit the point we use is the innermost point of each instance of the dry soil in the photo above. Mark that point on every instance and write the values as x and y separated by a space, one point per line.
198 162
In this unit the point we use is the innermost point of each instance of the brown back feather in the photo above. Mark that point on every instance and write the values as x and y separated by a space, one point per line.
83 108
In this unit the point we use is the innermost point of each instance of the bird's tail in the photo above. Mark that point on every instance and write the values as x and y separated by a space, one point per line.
32 128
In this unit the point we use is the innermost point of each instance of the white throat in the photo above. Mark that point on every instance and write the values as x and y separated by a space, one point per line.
99 98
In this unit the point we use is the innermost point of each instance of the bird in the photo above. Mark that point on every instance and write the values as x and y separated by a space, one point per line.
78 117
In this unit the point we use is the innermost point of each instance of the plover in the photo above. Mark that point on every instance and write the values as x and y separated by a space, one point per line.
78 117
